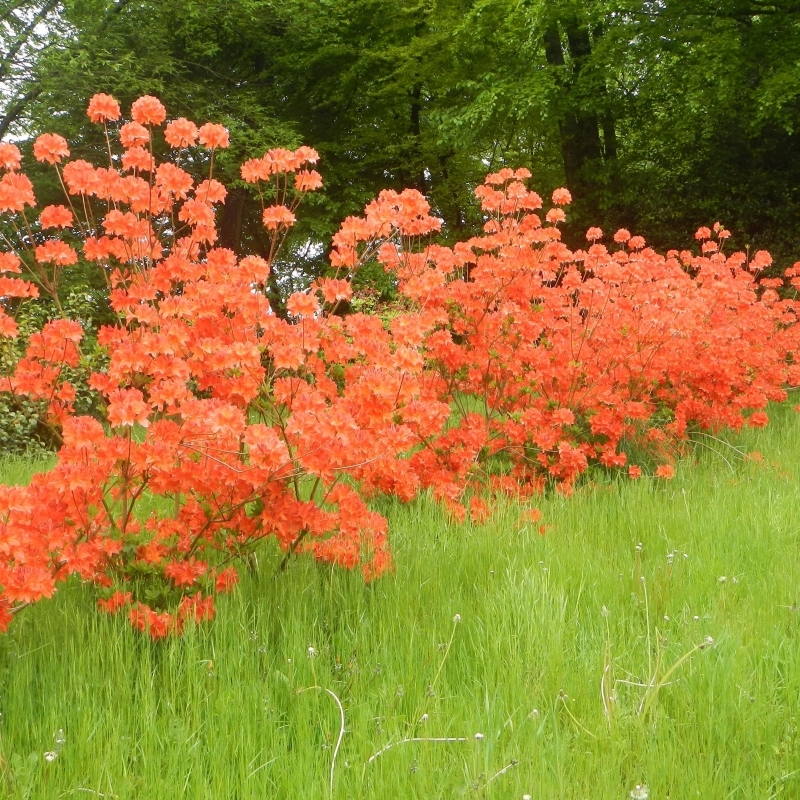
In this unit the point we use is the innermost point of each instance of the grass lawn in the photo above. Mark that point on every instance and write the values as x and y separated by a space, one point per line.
580 667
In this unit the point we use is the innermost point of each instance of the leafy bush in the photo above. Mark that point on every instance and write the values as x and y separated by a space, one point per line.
506 362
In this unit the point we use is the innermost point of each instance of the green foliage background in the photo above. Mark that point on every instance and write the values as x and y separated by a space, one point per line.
660 116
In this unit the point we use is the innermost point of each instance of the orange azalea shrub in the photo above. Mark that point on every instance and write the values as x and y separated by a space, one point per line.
553 359
245 422
514 362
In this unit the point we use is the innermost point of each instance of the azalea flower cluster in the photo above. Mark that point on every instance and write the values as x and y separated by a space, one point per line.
514 362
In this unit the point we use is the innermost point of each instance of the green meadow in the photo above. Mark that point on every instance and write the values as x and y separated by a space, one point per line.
646 645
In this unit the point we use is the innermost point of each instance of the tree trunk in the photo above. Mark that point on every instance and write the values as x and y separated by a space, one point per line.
230 229
579 128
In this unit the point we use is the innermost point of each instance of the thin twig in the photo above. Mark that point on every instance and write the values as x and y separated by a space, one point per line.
716 452
606 709
563 699
258 769
341 727
641 685
722 441
416 739
513 763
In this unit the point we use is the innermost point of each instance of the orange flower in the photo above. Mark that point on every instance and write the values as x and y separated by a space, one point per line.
108 184
531 202
555 215
636 242
277 216
139 159
665 471
593 234
14 287
255 169
56 252
306 155
16 192
479 510
499 178
28 584
255 267
132 134
126 407
562 416
55 217
761 260
103 108
634 471
10 156
622 236
102 248
283 160
302 304
334 289
213 136
226 580
185 573
530 515
174 181
79 176
702 234
125 224
211 191
136 191
180 133
196 608
148 110
117 600
307 180
196 212
50 148
10 262
8 326
562 197
158 626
